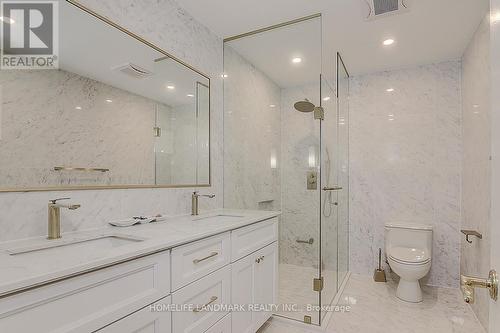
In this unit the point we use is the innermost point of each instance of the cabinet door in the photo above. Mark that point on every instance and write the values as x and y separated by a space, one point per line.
266 280
243 293
254 282
151 319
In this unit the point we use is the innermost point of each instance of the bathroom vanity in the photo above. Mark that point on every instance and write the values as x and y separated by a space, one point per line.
171 276
131 116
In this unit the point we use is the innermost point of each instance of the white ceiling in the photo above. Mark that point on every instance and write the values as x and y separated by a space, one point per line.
272 52
93 49
432 31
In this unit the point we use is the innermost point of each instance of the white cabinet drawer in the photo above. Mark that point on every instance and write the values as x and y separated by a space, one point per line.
144 320
253 237
88 302
214 289
192 261
222 326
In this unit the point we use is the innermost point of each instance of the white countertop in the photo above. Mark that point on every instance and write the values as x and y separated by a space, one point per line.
22 271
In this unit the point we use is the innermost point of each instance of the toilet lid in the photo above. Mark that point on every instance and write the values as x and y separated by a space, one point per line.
409 255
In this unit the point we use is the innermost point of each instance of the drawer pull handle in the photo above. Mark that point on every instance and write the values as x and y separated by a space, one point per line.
201 308
211 255
258 260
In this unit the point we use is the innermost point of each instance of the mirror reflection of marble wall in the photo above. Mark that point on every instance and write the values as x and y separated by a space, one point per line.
150 130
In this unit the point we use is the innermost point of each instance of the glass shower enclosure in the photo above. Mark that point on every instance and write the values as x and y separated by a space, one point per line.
286 149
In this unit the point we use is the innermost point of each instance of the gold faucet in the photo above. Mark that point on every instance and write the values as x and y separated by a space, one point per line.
194 201
55 217
468 283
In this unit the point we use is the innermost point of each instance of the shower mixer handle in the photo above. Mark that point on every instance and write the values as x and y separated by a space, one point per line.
310 241
333 188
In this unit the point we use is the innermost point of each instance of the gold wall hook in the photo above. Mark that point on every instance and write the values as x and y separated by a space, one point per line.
468 233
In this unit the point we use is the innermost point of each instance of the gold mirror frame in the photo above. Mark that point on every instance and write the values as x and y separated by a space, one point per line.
109 187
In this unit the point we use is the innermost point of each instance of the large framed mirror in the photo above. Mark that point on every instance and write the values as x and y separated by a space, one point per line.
118 112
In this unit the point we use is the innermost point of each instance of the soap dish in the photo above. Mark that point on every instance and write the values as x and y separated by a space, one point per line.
137 220
125 223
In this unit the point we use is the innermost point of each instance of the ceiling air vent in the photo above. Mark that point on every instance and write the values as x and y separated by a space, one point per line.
133 71
381 8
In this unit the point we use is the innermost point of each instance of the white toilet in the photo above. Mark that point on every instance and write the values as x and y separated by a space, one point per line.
408 249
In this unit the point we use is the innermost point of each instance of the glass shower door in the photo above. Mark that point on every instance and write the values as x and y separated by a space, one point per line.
334 213
272 148
300 227
329 195
343 168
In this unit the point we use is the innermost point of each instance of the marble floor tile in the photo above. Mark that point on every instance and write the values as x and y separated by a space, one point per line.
375 308
295 287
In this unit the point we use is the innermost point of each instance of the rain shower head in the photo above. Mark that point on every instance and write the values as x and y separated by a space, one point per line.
304 106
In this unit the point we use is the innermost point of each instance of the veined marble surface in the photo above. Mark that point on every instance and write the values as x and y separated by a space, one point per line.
301 154
165 24
304 210
252 136
270 148
407 169
42 129
476 179
295 288
375 308
30 269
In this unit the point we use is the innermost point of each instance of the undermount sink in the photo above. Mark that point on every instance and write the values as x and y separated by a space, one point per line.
219 218
80 244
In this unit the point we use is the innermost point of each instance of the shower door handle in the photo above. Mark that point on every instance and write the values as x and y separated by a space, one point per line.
333 188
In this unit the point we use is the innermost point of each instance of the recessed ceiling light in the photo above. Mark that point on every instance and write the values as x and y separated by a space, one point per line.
475 106
171 87
327 98
190 95
297 60
388 42
7 20
224 76
78 107
109 100
389 89
272 106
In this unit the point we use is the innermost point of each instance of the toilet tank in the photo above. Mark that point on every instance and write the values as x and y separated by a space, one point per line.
408 235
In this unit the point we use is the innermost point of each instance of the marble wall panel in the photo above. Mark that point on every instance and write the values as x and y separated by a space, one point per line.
405 162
